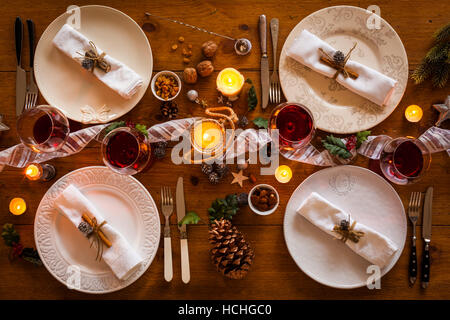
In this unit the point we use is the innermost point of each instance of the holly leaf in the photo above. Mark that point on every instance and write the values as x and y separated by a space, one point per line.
361 137
336 147
261 122
142 128
114 125
252 99
190 218
10 235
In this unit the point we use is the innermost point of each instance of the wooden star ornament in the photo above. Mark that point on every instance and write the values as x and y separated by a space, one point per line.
3 127
443 110
238 178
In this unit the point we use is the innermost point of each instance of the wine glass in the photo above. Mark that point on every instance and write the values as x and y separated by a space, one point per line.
295 125
43 128
126 150
404 160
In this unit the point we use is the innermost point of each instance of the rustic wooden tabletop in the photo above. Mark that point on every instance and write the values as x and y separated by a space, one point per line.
274 274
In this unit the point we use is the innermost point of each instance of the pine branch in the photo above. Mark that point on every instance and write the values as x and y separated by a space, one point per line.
442 34
438 53
441 75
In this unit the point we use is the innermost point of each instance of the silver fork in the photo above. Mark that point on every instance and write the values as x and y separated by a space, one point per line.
274 92
413 213
32 90
167 209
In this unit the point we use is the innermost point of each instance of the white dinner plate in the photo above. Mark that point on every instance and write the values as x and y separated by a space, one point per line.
65 85
369 199
124 203
335 108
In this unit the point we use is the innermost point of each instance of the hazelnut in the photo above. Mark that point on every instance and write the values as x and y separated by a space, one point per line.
209 48
190 75
181 39
174 47
205 68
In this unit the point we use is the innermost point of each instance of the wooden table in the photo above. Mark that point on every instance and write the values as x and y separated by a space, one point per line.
274 274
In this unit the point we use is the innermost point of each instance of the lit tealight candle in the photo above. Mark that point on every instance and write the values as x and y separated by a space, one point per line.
413 113
34 171
230 82
283 174
207 135
17 206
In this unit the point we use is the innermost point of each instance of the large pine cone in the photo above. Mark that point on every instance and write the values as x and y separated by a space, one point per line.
231 253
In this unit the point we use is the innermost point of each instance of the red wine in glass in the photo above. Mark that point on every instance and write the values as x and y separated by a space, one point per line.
122 149
404 160
43 128
295 125
126 151
408 159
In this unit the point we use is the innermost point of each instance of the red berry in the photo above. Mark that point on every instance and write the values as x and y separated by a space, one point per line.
351 143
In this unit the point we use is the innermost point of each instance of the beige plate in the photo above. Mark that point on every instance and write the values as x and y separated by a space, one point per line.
369 199
64 85
335 108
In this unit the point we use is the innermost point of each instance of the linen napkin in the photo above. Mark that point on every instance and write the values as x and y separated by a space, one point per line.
120 257
372 246
120 78
370 83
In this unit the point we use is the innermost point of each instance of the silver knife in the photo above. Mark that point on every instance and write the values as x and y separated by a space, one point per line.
181 212
21 76
265 81
426 235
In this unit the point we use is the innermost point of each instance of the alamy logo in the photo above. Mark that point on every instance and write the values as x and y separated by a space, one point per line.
74 19
74 277
374 280
374 20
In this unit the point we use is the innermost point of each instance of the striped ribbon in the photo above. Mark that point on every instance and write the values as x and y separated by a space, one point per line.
20 156
250 140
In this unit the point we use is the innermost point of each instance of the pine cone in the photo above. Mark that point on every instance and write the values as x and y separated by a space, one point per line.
169 109
231 253
207 168
339 57
221 169
214 178
159 149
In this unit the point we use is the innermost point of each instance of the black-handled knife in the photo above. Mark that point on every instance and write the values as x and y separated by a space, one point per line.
21 76
426 235
18 34
31 38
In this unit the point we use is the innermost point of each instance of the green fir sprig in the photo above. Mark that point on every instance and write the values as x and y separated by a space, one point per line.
436 63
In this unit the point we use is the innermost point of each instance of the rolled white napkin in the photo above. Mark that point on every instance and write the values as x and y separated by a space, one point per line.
120 257
373 246
120 78
370 83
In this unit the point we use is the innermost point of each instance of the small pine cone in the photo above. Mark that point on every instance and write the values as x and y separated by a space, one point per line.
221 169
242 199
159 149
213 178
206 168
231 253
339 57
243 121
169 109
88 64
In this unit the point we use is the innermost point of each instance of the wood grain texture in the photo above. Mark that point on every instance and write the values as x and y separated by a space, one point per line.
274 274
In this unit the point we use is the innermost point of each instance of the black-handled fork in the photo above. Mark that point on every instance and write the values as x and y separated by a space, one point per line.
413 213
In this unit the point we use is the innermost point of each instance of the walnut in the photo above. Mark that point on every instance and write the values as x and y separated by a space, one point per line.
190 75
209 48
205 68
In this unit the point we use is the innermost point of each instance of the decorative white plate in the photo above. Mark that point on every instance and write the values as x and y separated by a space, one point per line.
335 108
125 204
62 81
369 199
